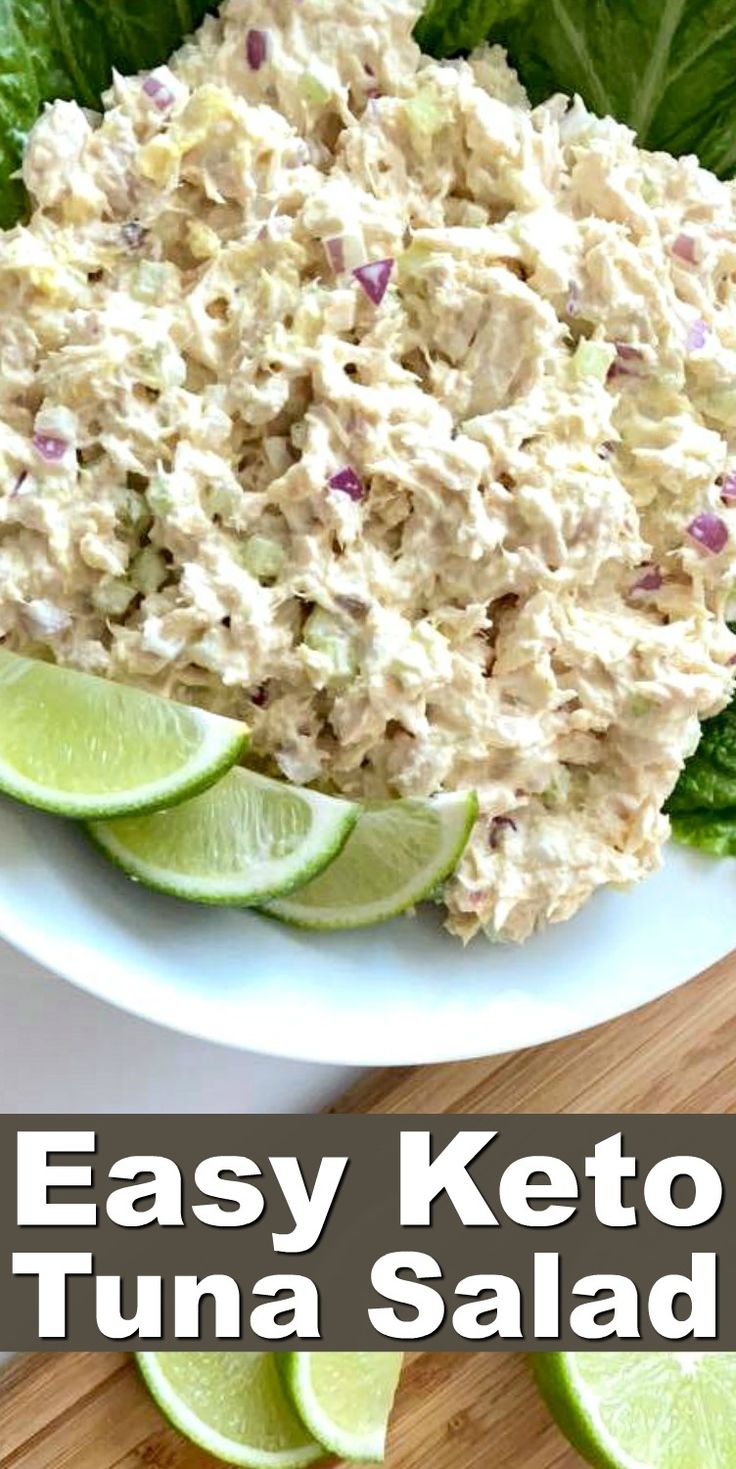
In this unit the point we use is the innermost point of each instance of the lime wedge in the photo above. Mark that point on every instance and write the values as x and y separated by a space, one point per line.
344 1398
84 747
232 1404
244 840
644 1410
397 855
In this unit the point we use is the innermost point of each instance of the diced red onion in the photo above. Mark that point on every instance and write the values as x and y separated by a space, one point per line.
627 358
497 825
649 581
161 96
134 234
606 450
335 252
354 606
626 353
19 483
728 487
709 531
684 247
374 279
348 483
697 336
256 49
372 92
259 697
572 306
49 447
475 901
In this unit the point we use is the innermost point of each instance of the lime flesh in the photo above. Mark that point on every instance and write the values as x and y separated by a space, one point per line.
241 842
232 1404
397 855
344 1398
86 748
644 1410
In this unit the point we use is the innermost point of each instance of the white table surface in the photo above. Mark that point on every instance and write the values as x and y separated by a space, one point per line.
62 1051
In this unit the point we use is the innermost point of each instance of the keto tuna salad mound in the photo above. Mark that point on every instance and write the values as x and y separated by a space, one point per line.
343 393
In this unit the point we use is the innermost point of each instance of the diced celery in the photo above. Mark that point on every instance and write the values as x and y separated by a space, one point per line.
592 360
412 265
426 116
720 404
160 367
221 499
638 706
325 634
150 280
113 596
263 558
159 495
148 571
312 90
133 511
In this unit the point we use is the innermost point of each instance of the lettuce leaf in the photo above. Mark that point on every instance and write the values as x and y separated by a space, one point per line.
702 806
68 48
449 26
713 834
708 782
665 67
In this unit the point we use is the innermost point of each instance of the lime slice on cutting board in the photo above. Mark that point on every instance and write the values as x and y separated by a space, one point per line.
86 748
344 1398
243 841
644 1410
232 1404
397 855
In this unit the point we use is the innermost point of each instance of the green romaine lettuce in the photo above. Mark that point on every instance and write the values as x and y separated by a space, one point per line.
449 26
702 806
68 48
708 782
713 834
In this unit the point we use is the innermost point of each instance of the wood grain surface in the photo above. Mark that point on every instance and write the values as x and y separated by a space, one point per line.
454 1411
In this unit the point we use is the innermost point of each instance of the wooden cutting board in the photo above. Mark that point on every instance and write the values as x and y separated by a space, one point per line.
454 1411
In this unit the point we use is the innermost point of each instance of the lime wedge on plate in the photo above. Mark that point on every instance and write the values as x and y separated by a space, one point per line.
244 840
397 855
232 1404
644 1410
344 1398
86 748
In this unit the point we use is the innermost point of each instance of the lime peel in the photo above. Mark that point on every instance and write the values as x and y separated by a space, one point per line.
396 857
344 1398
240 843
86 748
643 1410
203 1403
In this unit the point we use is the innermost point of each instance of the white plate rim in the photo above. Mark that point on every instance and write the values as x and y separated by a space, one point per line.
522 1016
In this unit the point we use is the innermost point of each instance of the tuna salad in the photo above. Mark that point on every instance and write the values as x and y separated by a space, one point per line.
344 393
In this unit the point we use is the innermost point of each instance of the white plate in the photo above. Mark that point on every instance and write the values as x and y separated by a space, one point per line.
394 995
